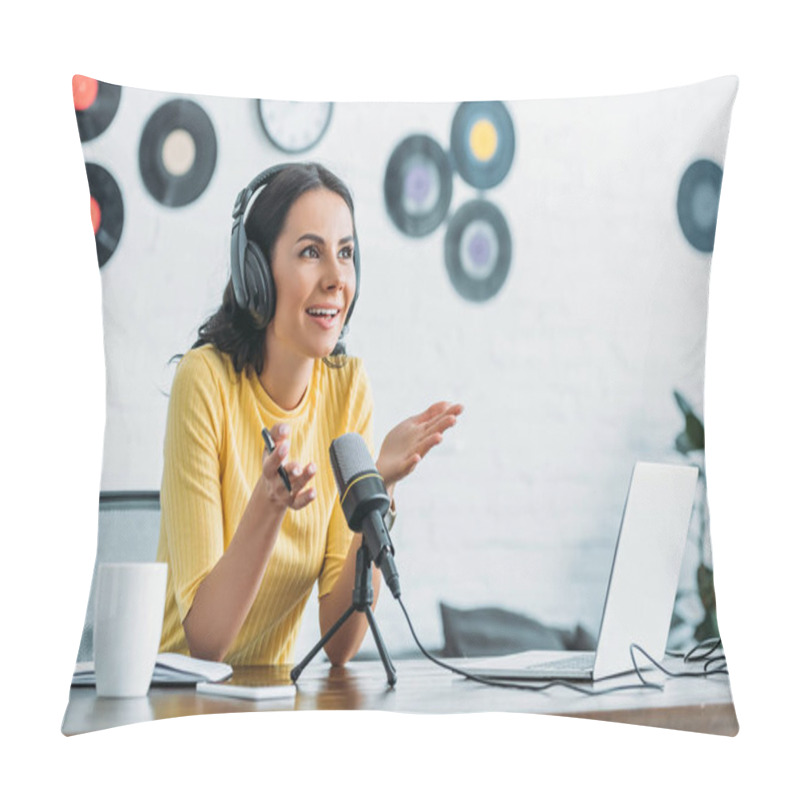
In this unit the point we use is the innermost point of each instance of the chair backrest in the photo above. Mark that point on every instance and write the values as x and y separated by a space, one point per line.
127 530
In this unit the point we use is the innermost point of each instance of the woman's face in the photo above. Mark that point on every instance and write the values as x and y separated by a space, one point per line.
315 277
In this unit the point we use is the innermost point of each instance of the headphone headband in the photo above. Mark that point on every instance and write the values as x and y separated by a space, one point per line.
262 179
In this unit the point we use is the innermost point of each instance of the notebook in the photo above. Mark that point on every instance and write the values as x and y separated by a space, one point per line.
170 668
641 589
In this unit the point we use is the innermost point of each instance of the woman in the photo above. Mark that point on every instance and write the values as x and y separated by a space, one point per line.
243 552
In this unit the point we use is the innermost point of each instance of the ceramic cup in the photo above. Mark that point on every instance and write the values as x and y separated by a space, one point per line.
129 613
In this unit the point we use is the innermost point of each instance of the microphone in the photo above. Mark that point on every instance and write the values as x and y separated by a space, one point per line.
364 500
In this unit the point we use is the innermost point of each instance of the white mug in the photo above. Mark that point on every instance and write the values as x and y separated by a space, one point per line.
129 613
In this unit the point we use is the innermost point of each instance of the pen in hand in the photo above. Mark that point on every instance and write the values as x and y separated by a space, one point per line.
281 471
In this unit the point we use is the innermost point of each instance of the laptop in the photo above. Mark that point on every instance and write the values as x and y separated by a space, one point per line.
641 589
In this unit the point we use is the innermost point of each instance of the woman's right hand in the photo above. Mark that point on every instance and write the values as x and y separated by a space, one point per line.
298 478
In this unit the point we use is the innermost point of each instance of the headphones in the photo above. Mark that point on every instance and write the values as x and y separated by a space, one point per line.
253 284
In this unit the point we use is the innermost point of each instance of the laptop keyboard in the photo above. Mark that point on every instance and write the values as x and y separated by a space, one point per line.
580 662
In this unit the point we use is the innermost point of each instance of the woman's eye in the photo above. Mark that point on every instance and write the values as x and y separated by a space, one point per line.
313 252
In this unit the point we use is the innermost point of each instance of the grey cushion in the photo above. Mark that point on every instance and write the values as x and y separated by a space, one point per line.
491 631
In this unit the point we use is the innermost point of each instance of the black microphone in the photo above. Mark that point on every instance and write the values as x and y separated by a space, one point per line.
362 493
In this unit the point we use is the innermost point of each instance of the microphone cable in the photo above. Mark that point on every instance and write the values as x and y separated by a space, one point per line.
582 690
713 644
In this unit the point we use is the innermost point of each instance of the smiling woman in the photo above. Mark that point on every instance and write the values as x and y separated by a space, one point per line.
248 305
243 546
314 275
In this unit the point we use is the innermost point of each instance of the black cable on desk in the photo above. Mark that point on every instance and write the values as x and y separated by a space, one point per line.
592 692
706 671
524 686
712 660
712 644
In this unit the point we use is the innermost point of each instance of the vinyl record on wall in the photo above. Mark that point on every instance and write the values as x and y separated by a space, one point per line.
177 153
107 210
477 250
96 104
294 127
482 143
698 201
418 185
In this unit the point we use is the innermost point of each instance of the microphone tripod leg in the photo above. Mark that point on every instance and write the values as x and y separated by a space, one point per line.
362 598
391 673
295 673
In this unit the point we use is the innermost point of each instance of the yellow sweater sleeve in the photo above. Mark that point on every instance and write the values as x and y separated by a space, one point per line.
190 491
339 534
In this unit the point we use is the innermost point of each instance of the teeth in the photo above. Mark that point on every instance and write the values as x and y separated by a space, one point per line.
323 312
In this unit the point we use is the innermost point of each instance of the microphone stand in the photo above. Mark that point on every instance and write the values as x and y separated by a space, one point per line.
362 601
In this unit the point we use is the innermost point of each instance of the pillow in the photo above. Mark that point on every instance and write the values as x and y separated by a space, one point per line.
546 263
496 631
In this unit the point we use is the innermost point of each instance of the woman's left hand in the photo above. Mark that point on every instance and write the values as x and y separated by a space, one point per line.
408 443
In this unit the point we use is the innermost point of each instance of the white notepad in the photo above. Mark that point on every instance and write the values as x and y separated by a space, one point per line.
171 668
247 690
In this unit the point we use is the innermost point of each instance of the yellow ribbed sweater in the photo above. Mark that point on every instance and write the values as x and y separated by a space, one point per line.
212 460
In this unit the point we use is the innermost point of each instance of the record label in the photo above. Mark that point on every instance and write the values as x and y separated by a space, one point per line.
96 213
177 153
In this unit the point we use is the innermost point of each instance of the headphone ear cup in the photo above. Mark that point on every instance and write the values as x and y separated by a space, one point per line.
258 279
240 289
253 286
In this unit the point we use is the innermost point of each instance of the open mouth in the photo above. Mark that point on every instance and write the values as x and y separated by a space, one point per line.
326 317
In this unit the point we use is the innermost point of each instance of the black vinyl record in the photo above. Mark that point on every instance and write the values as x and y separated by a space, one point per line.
107 210
698 202
418 185
177 153
482 142
477 250
96 105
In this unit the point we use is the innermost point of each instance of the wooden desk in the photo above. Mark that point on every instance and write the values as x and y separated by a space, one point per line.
692 704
